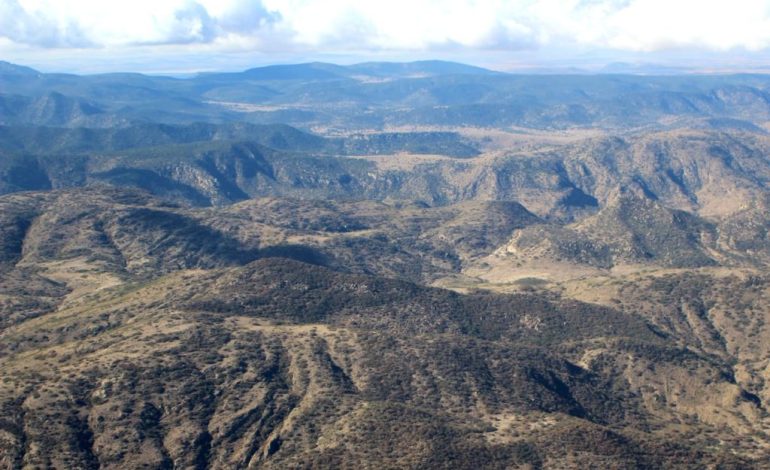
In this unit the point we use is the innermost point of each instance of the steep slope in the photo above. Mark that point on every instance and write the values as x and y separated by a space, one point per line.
711 174
720 313
141 331
55 140
279 363
55 109
632 229
408 241
131 233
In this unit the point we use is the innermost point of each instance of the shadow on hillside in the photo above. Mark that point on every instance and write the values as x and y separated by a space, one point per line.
301 253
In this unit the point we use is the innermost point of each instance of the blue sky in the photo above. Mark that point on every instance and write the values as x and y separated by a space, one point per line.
180 36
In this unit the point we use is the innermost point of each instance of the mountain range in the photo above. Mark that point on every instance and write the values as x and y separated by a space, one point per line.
382 95
421 265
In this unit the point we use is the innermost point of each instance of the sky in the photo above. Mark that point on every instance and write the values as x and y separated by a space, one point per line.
188 36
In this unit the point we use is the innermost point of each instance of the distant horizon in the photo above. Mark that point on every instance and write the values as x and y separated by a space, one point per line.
177 37
612 68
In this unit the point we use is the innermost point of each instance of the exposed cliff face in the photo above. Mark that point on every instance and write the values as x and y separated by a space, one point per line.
711 174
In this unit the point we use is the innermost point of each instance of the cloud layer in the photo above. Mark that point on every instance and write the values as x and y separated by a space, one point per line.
95 23
358 26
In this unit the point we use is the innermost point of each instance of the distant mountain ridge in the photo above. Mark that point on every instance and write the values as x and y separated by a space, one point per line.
8 69
380 94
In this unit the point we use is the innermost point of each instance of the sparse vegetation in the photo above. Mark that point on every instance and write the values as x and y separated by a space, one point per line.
233 294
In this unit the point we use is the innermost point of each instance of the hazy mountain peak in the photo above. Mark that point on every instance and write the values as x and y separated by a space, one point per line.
417 68
9 69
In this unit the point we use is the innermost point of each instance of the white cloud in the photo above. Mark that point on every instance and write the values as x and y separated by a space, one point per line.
82 23
358 26
638 25
659 24
38 26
